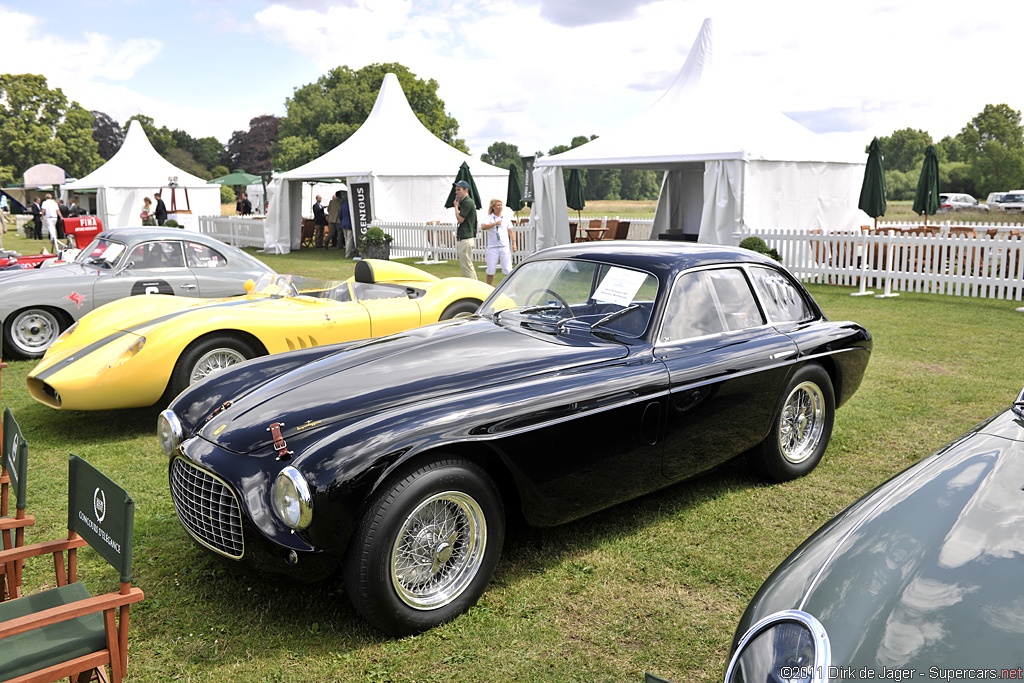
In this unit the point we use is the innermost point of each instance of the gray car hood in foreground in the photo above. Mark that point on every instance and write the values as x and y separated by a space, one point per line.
927 571
401 370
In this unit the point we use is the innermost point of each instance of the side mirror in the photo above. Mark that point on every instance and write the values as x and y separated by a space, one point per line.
249 285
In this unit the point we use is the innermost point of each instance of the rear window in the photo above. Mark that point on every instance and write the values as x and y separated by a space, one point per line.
782 301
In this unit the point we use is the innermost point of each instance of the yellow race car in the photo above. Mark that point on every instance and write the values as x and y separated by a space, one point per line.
136 351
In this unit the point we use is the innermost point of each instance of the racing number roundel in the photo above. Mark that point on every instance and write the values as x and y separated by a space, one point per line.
152 287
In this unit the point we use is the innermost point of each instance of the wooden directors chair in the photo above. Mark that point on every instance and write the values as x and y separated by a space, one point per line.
13 477
65 631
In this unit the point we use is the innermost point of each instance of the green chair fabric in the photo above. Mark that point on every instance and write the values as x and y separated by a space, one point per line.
102 513
50 645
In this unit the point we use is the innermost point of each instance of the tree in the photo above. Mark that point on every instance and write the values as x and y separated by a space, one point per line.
993 147
207 151
186 162
107 133
39 126
904 149
503 155
322 115
250 150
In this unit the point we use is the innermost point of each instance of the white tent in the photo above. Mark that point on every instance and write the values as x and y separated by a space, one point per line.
731 165
408 169
137 171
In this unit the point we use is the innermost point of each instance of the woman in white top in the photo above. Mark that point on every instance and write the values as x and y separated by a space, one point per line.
499 240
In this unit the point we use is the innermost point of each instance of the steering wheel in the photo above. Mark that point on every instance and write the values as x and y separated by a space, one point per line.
558 297
285 287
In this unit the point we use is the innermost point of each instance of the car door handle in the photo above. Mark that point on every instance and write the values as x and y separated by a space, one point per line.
188 286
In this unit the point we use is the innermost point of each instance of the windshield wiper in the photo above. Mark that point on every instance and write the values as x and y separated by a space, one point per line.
545 307
617 314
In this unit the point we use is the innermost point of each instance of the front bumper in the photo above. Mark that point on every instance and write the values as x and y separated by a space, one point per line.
226 510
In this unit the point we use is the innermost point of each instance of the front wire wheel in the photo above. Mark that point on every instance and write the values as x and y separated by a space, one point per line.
425 547
214 361
439 550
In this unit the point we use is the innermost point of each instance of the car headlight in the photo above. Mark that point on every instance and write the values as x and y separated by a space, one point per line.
129 353
169 431
291 499
786 647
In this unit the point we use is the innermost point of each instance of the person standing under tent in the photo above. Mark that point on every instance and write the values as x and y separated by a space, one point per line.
333 219
246 204
51 212
36 231
465 216
161 210
319 221
345 220
499 240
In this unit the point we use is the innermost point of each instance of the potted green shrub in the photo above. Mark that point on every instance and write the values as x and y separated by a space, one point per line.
760 246
375 244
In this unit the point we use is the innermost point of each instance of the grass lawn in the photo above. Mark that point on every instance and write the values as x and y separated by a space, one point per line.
654 585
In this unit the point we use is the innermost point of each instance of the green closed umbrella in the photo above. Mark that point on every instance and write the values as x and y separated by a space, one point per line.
926 199
574 195
514 198
235 178
872 190
464 174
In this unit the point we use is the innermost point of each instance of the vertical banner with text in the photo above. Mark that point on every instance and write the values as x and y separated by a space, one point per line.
528 178
361 211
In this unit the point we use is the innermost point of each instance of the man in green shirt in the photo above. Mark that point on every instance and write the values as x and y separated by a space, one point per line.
465 215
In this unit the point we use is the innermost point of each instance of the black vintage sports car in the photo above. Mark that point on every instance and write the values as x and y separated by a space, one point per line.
593 374
918 580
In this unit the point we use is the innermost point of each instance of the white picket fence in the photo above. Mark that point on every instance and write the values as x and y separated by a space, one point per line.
238 231
961 265
435 242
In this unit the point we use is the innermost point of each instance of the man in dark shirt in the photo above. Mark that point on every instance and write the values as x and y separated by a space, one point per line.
161 211
36 231
319 221
465 215
246 204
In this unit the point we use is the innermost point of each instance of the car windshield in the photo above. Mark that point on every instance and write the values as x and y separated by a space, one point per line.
102 252
602 296
275 285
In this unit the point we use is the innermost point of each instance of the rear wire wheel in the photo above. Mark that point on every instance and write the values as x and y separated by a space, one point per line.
802 429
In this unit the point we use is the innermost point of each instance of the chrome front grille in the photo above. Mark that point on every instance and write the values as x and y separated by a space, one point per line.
207 508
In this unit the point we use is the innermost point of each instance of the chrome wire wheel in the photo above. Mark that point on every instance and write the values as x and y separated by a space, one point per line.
438 550
802 422
214 361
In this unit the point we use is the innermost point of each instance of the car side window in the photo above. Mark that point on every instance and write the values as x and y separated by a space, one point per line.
157 255
735 299
691 310
780 297
202 256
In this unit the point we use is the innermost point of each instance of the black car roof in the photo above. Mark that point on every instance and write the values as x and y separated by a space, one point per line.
662 258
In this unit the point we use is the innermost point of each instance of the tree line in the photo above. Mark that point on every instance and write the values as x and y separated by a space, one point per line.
40 125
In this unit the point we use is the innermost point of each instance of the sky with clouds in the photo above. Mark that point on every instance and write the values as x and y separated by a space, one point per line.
534 73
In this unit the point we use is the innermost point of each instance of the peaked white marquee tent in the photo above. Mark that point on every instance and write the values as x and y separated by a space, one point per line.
408 169
731 165
137 171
